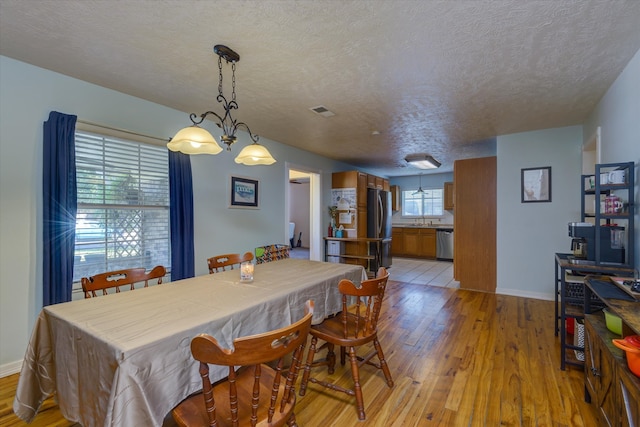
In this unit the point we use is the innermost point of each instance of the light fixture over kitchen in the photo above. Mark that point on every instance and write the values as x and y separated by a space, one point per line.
419 190
196 140
422 161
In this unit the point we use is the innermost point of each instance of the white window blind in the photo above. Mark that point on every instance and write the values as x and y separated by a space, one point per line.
123 205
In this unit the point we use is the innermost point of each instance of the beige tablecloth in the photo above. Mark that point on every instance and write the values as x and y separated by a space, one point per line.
124 359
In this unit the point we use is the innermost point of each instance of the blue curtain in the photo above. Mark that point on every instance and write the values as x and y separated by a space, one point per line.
181 216
59 207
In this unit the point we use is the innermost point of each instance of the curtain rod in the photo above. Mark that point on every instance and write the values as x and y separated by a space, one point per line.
85 122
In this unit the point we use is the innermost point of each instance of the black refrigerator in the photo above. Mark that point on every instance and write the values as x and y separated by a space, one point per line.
379 226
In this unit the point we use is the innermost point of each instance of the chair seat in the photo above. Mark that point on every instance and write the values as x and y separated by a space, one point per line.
332 330
353 327
192 411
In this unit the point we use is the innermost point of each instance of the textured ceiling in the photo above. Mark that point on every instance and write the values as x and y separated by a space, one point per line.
438 77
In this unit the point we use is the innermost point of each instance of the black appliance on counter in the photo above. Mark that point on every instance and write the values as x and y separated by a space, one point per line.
611 249
379 225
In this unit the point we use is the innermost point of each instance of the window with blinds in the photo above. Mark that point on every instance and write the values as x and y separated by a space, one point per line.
123 205
428 203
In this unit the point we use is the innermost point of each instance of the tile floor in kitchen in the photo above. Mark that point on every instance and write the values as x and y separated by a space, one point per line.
426 272
411 270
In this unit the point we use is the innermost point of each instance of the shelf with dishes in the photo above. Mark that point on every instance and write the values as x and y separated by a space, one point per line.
607 215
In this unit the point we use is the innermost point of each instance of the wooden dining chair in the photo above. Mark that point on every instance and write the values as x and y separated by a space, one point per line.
116 279
260 392
270 253
221 262
355 326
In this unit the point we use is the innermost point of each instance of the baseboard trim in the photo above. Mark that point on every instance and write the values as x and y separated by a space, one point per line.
525 294
10 368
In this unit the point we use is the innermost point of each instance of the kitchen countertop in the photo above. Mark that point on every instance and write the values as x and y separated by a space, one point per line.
436 226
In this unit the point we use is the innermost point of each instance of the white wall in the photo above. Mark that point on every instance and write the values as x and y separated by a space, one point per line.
28 95
618 113
300 211
528 234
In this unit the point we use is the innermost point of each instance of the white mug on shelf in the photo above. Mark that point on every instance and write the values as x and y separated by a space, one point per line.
604 178
616 177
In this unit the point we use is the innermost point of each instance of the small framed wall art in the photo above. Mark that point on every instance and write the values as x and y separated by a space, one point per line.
535 185
244 192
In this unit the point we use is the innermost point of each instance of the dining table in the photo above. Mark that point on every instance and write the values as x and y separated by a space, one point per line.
124 359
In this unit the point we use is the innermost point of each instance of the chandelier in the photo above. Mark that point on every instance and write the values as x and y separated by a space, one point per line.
197 140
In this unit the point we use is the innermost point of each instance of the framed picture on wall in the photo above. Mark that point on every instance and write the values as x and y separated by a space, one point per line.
535 185
244 192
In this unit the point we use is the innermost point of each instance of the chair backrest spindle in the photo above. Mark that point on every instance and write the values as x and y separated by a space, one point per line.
117 278
221 262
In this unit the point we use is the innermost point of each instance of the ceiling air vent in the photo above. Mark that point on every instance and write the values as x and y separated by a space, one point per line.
322 110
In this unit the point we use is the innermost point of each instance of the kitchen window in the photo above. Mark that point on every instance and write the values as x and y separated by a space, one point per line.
123 205
428 203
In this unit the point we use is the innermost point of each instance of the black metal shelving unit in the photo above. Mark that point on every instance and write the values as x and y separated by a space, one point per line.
569 292
626 191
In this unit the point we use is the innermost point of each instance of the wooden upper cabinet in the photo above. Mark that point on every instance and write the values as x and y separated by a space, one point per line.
379 183
396 198
371 181
385 185
449 196
347 179
362 193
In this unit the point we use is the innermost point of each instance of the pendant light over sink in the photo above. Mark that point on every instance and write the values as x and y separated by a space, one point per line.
420 190
196 140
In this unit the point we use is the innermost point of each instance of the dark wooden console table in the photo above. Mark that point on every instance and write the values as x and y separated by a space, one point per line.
609 385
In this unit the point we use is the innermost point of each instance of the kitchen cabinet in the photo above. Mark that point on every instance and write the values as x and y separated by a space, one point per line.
396 198
357 249
362 193
428 242
397 243
411 241
415 242
448 196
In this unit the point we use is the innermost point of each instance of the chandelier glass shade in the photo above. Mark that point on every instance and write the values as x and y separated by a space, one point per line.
196 140
255 154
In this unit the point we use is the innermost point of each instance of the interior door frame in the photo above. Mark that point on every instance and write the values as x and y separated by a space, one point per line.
315 208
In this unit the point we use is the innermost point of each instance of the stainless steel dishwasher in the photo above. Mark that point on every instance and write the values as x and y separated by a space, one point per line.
444 244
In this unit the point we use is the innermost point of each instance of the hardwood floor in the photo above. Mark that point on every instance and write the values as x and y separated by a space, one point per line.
458 358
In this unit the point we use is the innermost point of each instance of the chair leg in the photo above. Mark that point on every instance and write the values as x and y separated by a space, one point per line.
355 373
383 363
343 353
291 422
307 367
331 358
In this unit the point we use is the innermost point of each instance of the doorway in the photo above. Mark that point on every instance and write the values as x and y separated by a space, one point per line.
303 207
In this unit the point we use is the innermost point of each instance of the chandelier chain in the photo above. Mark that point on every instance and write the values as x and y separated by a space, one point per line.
219 75
233 81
